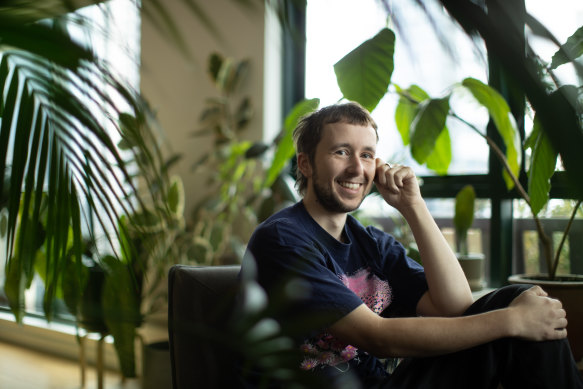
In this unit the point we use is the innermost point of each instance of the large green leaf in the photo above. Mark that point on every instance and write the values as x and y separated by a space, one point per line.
407 109
364 74
571 50
502 118
427 127
121 309
285 148
440 159
464 215
542 167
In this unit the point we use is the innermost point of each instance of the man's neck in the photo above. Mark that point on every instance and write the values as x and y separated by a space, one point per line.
332 222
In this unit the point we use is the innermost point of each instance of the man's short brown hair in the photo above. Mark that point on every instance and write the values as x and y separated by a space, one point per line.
308 132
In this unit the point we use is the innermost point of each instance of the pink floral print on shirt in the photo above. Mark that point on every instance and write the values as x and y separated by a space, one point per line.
325 349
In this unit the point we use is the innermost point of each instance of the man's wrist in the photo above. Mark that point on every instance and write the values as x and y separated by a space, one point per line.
511 322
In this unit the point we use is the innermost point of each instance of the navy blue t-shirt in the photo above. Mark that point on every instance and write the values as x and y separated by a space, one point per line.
331 279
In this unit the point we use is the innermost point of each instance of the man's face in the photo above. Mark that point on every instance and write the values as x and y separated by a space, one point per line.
344 167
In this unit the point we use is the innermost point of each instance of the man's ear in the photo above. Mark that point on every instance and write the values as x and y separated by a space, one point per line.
304 165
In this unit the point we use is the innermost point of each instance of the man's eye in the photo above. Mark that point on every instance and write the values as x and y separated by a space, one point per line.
342 152
368 155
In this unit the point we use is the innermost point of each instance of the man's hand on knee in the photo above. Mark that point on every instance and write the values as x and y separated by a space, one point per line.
537 316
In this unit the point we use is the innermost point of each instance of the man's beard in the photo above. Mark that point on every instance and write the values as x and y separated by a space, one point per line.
327 198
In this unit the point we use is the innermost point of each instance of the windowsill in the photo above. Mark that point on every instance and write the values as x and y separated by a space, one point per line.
60 339
56 339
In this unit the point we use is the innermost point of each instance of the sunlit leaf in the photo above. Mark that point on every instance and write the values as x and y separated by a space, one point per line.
427 127
285 149
464 216
503 120
407 108
440 159
542 167
364 74
176 196
571 50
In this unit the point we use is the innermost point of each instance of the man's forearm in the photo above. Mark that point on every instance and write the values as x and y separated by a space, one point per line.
532 316
423 336
449 293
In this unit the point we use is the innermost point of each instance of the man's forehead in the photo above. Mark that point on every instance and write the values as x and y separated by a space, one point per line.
339 129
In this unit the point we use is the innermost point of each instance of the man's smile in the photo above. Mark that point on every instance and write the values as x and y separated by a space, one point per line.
349 185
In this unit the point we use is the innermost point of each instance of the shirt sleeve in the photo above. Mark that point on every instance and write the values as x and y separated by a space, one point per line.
295 271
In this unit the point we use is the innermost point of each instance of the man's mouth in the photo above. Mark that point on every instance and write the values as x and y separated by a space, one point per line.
349 185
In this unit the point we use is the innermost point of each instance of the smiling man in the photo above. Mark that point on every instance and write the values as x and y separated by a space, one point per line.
363 300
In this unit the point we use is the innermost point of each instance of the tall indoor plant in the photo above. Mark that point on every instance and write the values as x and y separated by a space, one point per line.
62 110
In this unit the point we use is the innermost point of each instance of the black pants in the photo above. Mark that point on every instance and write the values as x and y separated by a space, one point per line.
513 363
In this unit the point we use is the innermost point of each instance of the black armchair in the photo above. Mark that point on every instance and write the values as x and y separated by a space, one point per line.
200 302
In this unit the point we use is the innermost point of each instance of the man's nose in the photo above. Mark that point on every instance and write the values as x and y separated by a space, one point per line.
355 165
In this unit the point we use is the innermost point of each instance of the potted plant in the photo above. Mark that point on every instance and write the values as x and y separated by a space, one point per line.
471 263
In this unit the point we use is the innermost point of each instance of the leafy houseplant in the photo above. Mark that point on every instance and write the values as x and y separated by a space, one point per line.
61 115
471 263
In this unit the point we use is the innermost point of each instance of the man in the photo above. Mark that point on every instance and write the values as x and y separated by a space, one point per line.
374 301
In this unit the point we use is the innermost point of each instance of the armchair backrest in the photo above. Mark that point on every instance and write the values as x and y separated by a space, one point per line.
200 301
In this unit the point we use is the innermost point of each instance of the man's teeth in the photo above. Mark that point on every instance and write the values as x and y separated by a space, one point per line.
349 185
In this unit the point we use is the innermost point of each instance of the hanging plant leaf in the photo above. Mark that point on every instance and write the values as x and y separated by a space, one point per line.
464 216
244 114
256 150
364 74
427 127
285 148
121 310
215 61
542 167
504 122
571 50
407 108
175 198
440 159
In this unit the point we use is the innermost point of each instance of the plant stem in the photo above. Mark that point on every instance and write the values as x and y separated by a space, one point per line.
545 240
553 271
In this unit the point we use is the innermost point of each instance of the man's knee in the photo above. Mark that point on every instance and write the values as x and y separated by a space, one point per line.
497 299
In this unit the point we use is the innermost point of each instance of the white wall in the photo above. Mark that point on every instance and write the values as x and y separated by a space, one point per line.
176 87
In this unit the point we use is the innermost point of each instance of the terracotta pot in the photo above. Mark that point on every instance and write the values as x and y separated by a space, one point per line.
473 267
569 290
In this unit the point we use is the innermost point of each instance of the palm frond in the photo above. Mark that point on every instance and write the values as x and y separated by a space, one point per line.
60 107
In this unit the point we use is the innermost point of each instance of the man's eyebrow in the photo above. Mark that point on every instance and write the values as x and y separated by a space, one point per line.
349 146
340 145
